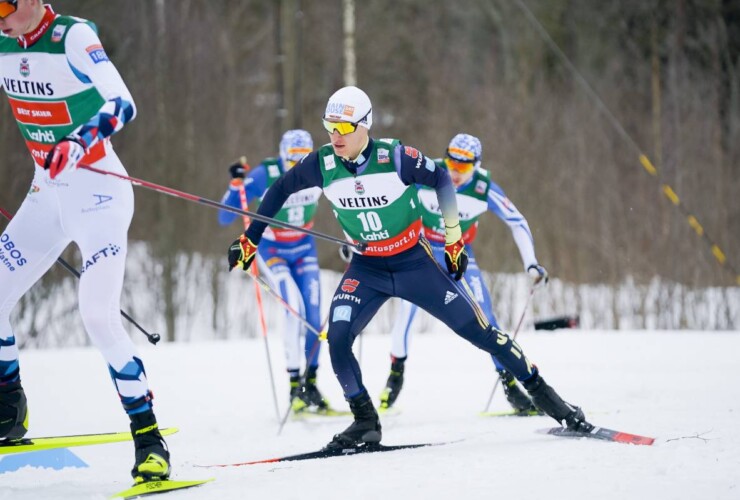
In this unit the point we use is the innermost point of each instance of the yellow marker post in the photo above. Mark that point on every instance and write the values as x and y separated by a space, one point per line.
671 194
695 225
648 165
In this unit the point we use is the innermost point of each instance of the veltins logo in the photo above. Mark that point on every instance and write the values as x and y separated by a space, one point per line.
359 188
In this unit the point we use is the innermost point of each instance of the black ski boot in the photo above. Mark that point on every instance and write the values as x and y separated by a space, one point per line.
365 429
152 457
514 395
298 401
311 393
13 411
394 384
547 400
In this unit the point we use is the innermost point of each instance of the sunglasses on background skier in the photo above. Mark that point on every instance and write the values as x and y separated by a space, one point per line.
297 153
7 8
462 167
343 128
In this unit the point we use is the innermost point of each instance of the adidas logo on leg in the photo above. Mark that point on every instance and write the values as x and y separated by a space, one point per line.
449 297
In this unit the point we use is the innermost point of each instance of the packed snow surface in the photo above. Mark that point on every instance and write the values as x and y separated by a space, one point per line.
680 387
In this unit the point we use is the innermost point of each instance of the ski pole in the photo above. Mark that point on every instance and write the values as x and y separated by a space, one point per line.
322 336
258 294
152 337
346 257
516 332
288 307
204 201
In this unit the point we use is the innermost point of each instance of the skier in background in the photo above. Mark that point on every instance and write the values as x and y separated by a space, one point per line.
372 188
288 260
68 99
476 195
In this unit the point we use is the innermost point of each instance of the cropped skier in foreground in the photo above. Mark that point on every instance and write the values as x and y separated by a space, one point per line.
371 185
68 99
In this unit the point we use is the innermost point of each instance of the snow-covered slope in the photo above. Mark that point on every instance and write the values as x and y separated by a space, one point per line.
681 387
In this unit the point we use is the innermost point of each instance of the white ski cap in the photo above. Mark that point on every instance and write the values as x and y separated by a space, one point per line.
350 104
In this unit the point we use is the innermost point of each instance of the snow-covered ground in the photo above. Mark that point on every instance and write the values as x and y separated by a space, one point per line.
681 387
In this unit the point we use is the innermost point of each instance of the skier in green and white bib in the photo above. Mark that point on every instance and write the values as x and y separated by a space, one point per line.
371 185
289 261
476 195
69 99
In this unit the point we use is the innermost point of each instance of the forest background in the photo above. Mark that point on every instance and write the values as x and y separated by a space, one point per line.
214 80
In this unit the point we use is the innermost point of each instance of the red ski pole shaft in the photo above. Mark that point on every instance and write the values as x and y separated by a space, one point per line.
205 201
260 307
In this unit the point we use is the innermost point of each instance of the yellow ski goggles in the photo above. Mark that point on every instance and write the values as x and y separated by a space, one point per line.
295 155
462 167
7 8
343 128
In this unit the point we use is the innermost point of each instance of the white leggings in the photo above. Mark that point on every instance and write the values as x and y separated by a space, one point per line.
94 211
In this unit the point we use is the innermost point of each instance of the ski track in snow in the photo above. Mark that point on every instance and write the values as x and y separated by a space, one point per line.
664 384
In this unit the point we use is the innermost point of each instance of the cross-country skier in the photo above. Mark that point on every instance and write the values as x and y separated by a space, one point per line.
476 194
288 260
371 185
68 99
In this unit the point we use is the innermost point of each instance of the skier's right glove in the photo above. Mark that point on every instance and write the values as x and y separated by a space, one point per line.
241 253
65 155
238 169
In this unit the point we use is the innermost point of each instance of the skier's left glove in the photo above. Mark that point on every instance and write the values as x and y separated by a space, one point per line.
65 155
538 274
241 253
456 258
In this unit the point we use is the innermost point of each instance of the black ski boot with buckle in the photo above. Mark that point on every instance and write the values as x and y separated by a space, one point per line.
364 430
546 399
152 457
